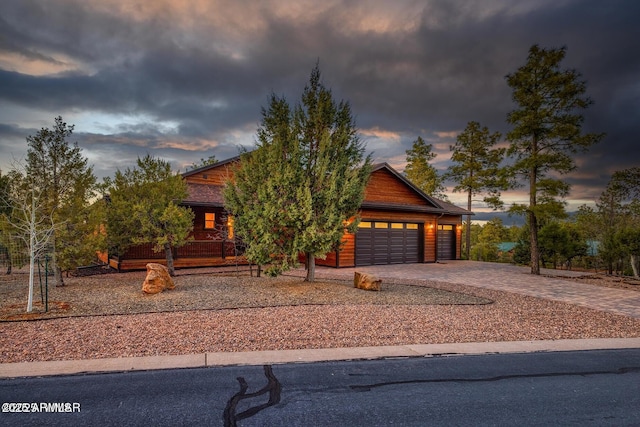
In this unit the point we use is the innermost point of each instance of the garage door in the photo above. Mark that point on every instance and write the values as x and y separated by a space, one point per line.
446 242
381 242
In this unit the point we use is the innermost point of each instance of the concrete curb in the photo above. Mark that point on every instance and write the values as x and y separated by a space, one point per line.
124 364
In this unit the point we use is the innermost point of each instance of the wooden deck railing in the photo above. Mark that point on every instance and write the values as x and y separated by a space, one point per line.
193 249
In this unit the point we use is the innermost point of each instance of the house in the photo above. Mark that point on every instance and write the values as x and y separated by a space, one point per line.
399 224
506 250
213 243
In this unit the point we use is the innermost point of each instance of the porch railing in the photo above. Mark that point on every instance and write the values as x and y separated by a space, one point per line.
193 249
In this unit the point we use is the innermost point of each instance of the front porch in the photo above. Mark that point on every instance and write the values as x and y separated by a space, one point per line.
196 253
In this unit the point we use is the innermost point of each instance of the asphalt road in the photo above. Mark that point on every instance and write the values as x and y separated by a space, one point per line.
564 388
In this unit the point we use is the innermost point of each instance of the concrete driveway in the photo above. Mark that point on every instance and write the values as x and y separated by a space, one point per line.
509 278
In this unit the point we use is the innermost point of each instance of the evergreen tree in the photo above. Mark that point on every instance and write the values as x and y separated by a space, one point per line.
616 218
547 132
263 197
491 235
301 189
211 160
421 173
522 250
78 240
629 239
560 242
627 184
604 222
476 168
144 208
57 170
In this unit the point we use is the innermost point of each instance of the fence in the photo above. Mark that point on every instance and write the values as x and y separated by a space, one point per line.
14 264
14 256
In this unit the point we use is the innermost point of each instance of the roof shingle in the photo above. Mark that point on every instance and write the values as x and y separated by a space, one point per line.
204 195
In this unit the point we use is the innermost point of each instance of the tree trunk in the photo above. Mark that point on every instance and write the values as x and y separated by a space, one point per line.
535 253
468 248
533 220
57 272
32 254
32 263
634 266
58 275
169 257
311 268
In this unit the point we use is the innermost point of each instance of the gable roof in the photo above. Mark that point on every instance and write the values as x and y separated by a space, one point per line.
506 246
201 194
211 166
452 209
432 204
205 194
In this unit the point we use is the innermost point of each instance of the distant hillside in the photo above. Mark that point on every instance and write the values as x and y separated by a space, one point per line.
507 220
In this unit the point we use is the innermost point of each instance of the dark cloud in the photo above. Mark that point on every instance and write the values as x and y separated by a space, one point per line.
185 80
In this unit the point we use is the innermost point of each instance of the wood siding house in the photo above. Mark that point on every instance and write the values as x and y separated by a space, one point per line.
399 224
213 244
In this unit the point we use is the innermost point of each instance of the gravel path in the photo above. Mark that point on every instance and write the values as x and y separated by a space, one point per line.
213 313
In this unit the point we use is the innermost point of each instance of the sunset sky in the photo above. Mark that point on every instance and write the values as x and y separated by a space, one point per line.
184 80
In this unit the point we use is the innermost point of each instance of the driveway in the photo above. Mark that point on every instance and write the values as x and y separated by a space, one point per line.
509 278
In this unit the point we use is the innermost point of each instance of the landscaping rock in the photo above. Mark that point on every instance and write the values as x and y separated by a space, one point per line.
157 280
365 281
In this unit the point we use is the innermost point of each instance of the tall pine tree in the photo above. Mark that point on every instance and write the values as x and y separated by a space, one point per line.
476 168
547 132
420 172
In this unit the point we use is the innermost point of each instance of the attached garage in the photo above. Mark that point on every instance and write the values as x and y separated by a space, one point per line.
446 242
399 225
384 242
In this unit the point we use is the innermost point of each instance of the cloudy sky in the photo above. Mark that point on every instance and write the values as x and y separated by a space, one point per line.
184 80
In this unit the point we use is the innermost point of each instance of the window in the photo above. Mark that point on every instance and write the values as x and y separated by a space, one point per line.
364 224
397 225
446 227
381 225
209 220
230 227
412 226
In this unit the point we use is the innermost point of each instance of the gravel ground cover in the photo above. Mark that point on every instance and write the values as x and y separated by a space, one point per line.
121 294
108 316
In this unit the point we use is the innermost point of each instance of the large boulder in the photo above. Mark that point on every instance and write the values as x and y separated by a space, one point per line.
365 281
157 280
